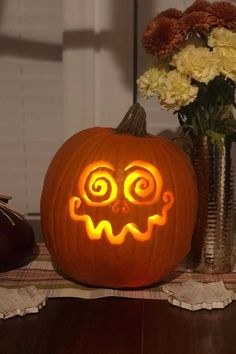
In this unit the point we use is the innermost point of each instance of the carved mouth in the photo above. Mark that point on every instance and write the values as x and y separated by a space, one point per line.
104 226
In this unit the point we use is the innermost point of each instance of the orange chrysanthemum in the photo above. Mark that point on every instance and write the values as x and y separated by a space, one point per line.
198 5
162 36
225 13
201 21
171 13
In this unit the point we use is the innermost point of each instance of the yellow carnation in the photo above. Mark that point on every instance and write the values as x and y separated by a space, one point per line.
176 91
222 37
198 63
227 61
148 83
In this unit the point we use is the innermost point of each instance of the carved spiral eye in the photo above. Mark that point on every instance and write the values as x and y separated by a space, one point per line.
97 185
143 184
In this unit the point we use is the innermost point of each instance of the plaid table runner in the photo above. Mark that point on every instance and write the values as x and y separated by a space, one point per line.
42 274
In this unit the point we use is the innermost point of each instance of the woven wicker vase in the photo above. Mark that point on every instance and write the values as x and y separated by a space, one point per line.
212 245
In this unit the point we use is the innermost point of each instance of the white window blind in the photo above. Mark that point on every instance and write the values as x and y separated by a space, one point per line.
31 123
96 81
97 61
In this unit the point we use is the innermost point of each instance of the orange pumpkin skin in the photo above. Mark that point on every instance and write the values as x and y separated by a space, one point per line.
131 261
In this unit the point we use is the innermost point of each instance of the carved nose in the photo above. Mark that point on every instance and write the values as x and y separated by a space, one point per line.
120 206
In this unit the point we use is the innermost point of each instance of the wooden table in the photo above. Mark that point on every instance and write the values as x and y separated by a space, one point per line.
119 326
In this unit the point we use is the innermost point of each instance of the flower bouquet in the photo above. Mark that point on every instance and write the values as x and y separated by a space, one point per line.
194 74
194 67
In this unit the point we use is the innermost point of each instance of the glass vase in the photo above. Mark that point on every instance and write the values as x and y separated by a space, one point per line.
212 244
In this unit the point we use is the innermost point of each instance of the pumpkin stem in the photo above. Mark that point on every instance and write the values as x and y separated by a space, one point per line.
134 122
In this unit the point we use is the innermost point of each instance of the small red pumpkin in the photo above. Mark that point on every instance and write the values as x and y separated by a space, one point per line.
118 205
17 245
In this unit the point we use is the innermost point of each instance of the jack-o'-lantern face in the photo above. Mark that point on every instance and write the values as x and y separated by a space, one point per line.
118 197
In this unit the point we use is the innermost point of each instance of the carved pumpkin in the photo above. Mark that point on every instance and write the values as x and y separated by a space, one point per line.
118 206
